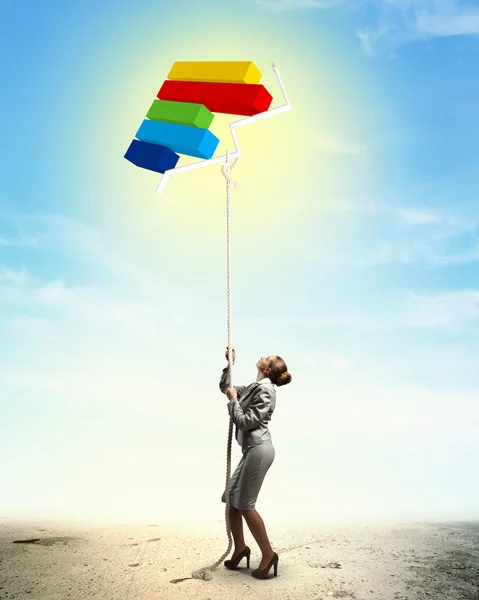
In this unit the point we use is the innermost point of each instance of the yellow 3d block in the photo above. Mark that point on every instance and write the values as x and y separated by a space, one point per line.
217 71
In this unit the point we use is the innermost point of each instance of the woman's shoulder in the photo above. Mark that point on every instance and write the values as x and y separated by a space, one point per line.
266 387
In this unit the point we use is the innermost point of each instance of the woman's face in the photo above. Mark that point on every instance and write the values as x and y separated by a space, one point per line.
263 364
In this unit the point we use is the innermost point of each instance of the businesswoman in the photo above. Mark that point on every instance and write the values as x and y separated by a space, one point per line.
250 408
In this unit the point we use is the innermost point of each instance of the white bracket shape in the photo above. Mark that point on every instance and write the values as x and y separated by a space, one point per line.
214 161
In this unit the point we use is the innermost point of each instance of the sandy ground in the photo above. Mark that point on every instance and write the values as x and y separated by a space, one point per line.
135 562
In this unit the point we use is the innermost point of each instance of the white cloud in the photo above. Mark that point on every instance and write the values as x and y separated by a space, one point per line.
19 241
369 37
447 311
14 276
130 307
446 18
279 5
73 239
365 41
397 235
339 362
397 21
338 145
451 309
416 217
403 21
84 306
317 319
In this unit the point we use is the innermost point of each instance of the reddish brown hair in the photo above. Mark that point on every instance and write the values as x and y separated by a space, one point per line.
279 371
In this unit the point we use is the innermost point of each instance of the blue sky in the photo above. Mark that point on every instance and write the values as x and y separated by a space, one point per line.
356 249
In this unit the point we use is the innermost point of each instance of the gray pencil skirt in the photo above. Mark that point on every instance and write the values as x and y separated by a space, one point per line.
246 481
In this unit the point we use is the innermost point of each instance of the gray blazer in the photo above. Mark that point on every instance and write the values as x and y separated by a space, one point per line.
251 411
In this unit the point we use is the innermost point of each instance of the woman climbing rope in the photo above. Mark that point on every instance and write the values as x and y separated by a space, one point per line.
250 408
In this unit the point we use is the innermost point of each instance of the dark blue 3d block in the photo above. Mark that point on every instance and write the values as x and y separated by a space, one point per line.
151 156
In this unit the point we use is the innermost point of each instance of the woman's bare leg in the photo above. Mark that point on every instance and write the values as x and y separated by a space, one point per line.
258 530
236 523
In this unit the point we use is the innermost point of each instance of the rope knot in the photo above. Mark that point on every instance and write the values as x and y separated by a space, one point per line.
227 168
204 574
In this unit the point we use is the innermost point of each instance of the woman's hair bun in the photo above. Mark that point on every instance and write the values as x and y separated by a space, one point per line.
284 378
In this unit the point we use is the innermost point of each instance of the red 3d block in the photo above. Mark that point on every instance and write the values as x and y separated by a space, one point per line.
231 98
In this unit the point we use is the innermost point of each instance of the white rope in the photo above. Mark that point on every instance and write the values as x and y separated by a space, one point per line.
205 572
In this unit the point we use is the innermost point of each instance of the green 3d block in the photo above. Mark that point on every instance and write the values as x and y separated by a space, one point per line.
182 113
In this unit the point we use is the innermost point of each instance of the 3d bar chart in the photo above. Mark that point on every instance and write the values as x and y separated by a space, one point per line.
179 119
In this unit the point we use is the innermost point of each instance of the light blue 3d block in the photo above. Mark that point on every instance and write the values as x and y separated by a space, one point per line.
183 139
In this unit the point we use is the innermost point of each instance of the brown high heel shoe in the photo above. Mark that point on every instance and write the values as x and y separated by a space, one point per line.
263 573
233 564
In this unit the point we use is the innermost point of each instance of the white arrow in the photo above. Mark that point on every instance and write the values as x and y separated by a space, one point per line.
233 126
